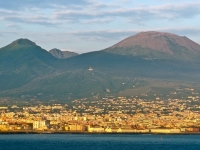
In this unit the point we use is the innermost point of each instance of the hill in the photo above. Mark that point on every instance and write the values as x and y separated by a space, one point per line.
22 61
62 54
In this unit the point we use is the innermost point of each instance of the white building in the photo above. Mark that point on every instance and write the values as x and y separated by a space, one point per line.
39 124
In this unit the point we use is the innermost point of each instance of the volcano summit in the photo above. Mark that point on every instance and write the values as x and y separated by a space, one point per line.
157 45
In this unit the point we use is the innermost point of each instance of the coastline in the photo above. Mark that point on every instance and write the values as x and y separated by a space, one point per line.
85 132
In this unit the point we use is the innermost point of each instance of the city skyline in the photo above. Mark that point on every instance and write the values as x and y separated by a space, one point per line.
89 25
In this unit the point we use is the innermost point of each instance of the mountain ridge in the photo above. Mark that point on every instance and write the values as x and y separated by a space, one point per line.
27 69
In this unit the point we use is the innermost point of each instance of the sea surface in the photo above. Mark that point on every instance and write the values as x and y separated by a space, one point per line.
99 142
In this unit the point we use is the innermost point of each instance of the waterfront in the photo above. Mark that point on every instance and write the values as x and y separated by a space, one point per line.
99 141
105 115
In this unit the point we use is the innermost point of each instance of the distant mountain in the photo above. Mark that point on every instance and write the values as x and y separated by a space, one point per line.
62 54
29 72
157 45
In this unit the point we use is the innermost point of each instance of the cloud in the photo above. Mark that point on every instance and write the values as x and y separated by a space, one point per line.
21 4
136 14
111 35
32 20
103 34
97 21
13 26
4 13
92 12
184 10
124 1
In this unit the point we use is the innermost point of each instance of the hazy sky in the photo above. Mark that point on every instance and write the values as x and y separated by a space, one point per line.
90 25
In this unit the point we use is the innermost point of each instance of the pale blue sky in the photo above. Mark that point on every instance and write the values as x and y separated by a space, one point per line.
89 25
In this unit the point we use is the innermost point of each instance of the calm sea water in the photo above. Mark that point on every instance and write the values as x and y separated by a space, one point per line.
99 142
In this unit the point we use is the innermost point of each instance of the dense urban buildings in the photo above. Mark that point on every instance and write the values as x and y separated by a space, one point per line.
107 115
